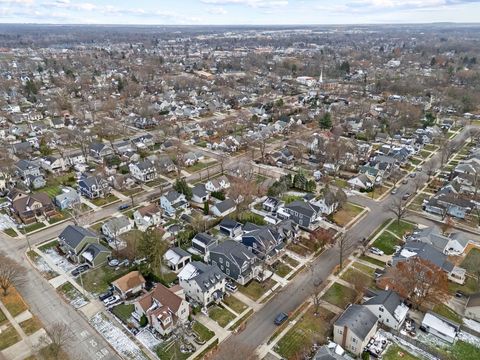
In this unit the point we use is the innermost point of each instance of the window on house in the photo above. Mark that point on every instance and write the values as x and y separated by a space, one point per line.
340 331
381 309
221 260
228 271
227 264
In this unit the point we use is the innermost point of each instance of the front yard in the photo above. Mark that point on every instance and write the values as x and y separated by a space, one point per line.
221 315
72 295
123 312
98 280
254 290
339 295
310 329
13 301
233 303
171 350
395 352
110 198
346 214
282 269
202 331
9 337
471 261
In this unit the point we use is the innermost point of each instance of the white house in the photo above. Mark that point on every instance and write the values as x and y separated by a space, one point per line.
217 184
441 327
223 208
143 170
146 216
172 202
389 308
177 258
116 226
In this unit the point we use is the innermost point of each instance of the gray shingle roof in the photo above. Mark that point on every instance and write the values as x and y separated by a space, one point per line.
72 235
237 252
389 299
225 205
358 319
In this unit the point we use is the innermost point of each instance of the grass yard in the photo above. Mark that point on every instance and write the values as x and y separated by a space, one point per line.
98 280
199 166
299 249
233 303
424 154
10 232
430 147
13 302
372 260
48 246
248 216
110 198
202 331
33 227
254 290
70 292
171 350
364 268
3 318
31 325
468 288
401 229
9 337
133 191
310 329
292 262
123 312
346 214
287 199
465 351
221 315
471 261
52 191
282 269
447 312
341 183
415 161
386 243
352 275
395 352
339 295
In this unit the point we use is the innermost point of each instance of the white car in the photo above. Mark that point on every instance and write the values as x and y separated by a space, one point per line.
376 251
111 300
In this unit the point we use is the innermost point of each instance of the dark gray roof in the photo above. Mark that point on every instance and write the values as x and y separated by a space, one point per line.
72 235
225 205
95 249
235 251
204 238
208 275
199 190
172 195
145 164
25 164
179 251
389 299
358 319
304 208
228 223
426 252
325 353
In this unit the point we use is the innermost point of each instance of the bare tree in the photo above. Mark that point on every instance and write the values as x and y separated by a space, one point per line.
316 286
398 208
345 245
430 167
12 274
59 336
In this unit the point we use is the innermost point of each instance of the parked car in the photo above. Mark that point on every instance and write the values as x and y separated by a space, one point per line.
123 207
113 262
81 269
231 287
376 251
105 295
394 191
281 318
413 174
406 196
111 300
460 294
405 181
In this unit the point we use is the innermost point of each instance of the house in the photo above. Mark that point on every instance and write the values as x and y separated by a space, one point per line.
360 182
32 207
354 328
328 204
450 204
203 284
190 159
271 204
223 208
75 158
25 168
53 164
172 202
146 216
202 243
164 308
472 307
143 141
165 164
305 214
230 227
217 184
177 258
263 241
235 260
200 194
68 198
440 326
129 285
143 171
116 226
389 308
95 254
94 187
100 150
453 244
73 240
35 182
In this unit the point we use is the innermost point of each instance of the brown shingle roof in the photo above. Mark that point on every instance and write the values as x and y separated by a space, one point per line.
129 281
163 295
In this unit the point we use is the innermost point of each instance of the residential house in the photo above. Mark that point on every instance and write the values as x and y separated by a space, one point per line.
200 194
129 285
472 307
235 260
53 164
143 141
143 171
264 241
450 204
303 213
165 164
35 182
453 244
73 240
360 182
202 243
203 284
389 308
223 208
116 226
31 207
190 159
164 308
68 198
25 168
441 327
100 150
177 258
75 158
230 228
94 187
95 254
172 202
218 184
354 328
271 204
147 216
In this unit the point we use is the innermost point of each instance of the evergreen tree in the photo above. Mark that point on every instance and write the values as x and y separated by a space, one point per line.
325 121
182 187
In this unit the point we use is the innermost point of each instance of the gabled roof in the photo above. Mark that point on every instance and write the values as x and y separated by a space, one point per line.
225 205
206 276
93 250
204 238
73 235
174 255
426 252
228 223
200 190
117 223
389 299
163 295
358 319
129 281
235 251
304 208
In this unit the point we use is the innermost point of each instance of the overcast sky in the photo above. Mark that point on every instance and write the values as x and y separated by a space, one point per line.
234 12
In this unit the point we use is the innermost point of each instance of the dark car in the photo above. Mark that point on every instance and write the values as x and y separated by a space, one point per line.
460 294
281 318
123 207
79 270
105 295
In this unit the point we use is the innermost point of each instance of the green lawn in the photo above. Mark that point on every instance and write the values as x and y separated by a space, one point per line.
415 161
10 232
52 191
199 166
401 229
171 350
395 352
202 331
386 243
372 260
364 268
70 292
282 269
346 214
233 303
471 261
33 227
9 337
292 262
352 275
31 325
470 286
287 199
110 198
3 318
424 154
430 147
221 315
339 295
123 312
98 280
254 290
341 183
447 312
48 246
308 330
465 351
248 216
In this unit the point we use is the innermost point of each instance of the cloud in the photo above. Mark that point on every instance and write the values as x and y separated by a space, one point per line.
250 3
217 11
